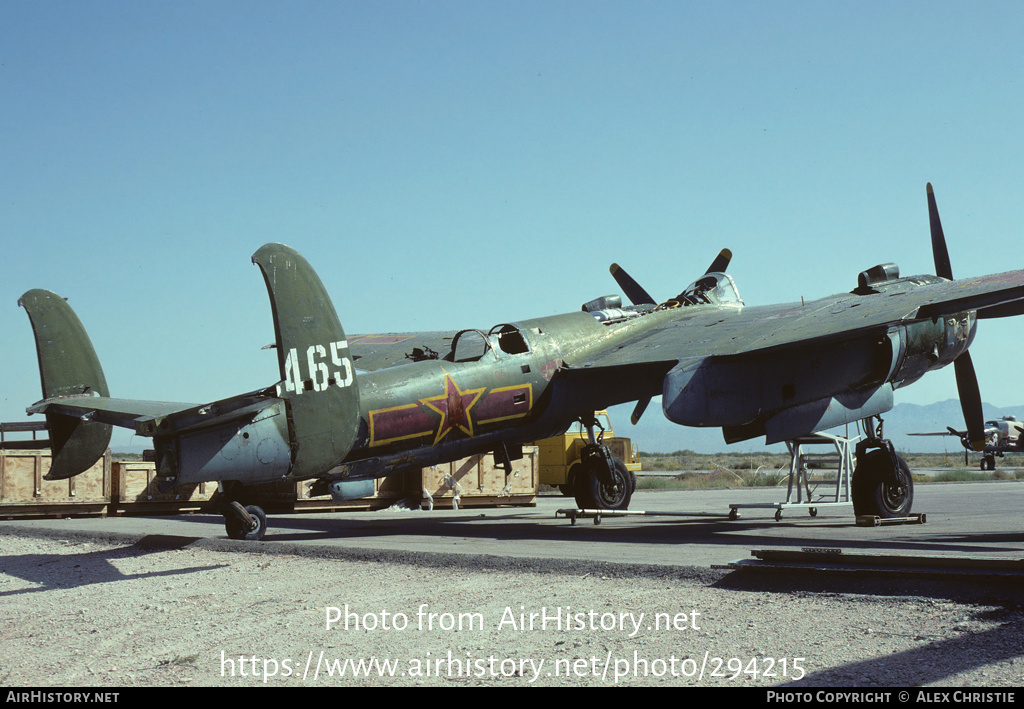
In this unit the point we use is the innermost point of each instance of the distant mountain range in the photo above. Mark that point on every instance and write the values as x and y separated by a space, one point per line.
656 434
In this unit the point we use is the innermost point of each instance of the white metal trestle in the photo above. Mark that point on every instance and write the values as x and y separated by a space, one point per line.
805 493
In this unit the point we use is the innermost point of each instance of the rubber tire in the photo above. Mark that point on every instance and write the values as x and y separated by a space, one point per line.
569 488
591 494
237 529
873 495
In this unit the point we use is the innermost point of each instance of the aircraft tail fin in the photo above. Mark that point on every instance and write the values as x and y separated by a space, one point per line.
68 367
318 381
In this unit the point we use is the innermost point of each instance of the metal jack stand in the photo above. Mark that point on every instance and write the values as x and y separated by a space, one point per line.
800 493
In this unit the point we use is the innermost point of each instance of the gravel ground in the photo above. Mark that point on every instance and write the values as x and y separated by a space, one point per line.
179 612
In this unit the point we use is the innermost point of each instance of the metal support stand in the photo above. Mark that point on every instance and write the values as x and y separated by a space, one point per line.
822 494
573 514
873 521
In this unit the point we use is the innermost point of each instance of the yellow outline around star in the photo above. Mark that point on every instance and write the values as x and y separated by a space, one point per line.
453 393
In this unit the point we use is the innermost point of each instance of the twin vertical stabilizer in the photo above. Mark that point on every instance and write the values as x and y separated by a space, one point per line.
68 367
318 379
239 438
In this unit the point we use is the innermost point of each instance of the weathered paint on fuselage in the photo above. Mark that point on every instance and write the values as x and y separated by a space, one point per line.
439 409
435 410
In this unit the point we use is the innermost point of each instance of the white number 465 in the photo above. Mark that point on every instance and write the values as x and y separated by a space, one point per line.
320 375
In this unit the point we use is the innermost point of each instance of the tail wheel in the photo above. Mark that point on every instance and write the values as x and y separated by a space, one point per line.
882 486
592 493
238 528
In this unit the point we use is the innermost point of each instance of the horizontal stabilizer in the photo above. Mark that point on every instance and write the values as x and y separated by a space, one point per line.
948 432
125 413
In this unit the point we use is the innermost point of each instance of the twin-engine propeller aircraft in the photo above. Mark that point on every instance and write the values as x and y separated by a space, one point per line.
1002 436
346 410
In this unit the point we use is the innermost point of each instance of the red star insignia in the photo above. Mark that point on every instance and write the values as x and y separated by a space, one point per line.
454 406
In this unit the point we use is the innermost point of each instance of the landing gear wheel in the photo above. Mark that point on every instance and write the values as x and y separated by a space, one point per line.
882 486
778 515
569 488
591 493
238 528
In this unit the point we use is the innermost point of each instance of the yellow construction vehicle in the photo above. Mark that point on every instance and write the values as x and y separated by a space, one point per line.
559 457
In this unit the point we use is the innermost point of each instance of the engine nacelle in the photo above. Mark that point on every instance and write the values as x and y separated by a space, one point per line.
929 345
791 391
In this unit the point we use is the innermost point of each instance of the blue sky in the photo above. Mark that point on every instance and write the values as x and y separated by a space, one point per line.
459 164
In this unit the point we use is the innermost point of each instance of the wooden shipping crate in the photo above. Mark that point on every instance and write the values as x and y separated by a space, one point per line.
136 491
24 492
477 481
130 487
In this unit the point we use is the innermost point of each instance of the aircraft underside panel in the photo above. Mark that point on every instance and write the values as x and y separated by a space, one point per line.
735 391
250 451
827 413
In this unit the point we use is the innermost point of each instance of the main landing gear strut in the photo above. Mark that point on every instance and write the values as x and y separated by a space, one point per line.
882 486
602 482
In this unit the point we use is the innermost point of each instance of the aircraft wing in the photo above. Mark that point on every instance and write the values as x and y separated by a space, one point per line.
150 417
377 351
682 333
781 371
998 295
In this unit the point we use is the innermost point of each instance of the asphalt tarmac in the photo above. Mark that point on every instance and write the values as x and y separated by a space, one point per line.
682 528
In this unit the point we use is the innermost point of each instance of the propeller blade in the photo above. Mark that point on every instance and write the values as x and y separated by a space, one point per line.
966 379
942 266
721 262
638 411
633 290
970 400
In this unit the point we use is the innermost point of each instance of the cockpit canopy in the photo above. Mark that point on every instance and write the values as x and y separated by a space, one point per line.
711 288
473 345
